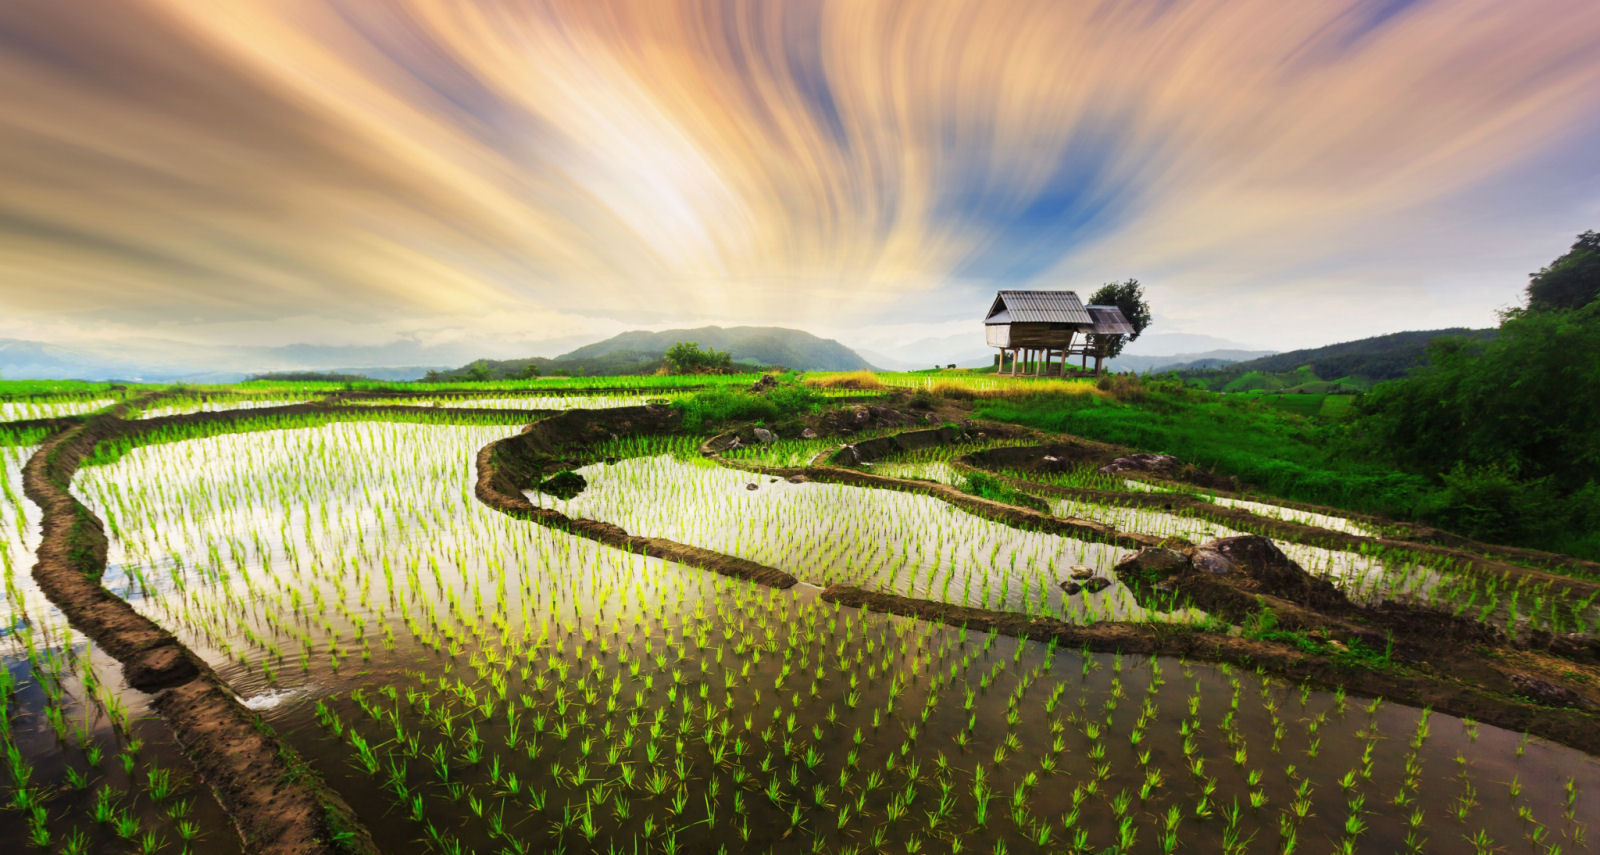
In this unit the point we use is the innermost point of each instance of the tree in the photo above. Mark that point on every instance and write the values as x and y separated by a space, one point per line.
1129 297
1571 281
529 371
478 371
686 357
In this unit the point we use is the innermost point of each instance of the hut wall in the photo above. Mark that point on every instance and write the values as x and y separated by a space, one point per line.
1040 336
998 335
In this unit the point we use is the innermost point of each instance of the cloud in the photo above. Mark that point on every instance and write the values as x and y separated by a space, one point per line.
361 170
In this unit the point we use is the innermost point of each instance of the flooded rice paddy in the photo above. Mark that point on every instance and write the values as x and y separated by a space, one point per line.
474 683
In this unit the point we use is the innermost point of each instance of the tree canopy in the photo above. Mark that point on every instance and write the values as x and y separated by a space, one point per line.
1509 427
1571 281
1129 297
686 357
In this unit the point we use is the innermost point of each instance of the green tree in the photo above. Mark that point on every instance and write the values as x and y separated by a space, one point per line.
1571 281
686 357
1129 297
478 370
529 371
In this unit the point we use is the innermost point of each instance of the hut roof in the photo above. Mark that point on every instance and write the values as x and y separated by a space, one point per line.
1038 307
1109 320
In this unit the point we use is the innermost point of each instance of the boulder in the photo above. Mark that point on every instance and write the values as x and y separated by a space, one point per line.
808 433
1081 572
1256 565
1142 463
564 484
766 382
752 486
798 479
1071 587
764 436
1150 565
1096 584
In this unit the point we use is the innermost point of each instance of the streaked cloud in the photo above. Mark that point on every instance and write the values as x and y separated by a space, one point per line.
357 169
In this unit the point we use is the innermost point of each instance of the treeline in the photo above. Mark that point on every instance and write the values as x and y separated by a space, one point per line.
1508 429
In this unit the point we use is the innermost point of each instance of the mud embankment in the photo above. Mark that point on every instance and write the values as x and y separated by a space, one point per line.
508 466
277 803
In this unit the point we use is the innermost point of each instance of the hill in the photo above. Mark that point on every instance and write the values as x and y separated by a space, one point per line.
759 345
1347 366
643 352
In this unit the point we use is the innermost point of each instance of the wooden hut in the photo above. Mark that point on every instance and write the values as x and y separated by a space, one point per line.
1034 327
1109 325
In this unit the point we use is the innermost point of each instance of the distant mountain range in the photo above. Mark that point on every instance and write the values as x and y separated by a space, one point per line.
644 351
1346 366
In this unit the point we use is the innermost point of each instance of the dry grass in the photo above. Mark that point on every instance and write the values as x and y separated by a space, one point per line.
850 380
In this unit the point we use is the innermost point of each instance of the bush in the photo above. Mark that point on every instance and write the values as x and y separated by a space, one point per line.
715 406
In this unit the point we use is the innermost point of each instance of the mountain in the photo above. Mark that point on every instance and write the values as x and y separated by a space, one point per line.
1183 361
760 345
1384 357
644 352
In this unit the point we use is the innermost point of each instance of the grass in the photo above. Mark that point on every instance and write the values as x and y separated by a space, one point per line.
1266 447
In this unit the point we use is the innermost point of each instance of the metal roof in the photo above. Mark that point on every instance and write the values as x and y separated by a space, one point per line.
1108 320
1038 307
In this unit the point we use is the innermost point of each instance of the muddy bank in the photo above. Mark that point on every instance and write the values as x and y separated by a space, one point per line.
277 804
1436 688
508 466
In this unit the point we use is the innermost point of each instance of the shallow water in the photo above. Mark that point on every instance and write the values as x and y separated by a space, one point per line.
218 405
826 534
24 410
521 402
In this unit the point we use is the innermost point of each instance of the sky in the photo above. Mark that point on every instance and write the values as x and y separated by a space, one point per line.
517 177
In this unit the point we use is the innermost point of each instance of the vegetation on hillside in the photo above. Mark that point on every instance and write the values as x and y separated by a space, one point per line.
1351 366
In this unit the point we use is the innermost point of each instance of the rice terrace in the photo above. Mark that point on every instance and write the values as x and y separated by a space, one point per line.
773 613
851 427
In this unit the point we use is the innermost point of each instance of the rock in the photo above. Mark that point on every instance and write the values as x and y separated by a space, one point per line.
764 436
564 484
1081 572
1051 458
847 455
752 486
1150 565
1096 584
808 433
1255 564
861 415
1071 587
734 443
766 382
1142 463
798 479
772 480
1546 692
931 419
